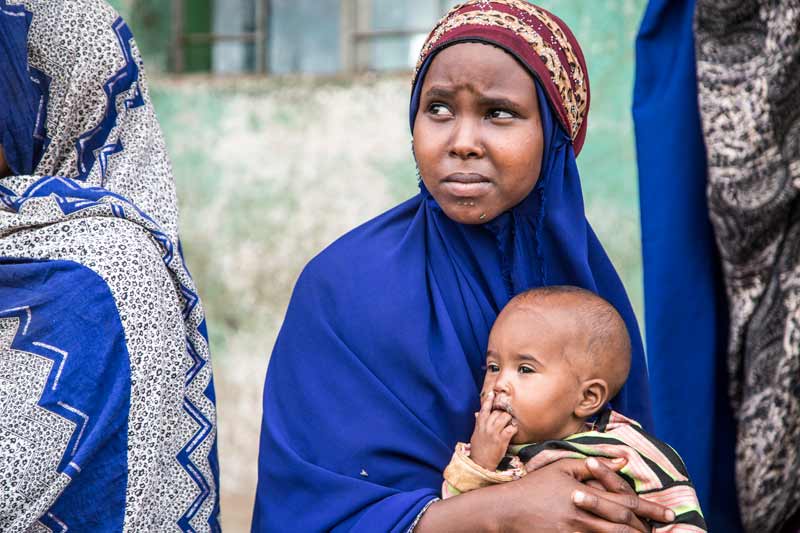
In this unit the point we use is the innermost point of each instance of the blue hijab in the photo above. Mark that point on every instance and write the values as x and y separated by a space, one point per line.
377 369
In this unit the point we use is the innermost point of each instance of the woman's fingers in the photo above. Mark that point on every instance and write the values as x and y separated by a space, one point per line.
575 468
595 484
640 507
610 480
606 516
620 492
615 465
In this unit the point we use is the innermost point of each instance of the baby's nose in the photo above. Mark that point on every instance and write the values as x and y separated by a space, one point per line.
500 386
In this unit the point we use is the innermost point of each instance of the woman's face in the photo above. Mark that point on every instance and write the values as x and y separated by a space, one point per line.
478 135
4 170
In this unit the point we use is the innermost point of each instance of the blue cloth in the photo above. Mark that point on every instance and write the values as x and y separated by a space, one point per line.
68 348
19 95
377 369
684 300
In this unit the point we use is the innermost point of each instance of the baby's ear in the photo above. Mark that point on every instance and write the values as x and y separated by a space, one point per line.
593 396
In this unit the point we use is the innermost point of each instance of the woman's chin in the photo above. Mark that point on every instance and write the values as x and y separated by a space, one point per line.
467 214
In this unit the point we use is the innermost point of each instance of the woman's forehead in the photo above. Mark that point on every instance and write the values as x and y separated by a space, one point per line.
478 66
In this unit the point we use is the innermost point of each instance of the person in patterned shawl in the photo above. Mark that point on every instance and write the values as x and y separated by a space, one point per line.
719 84
107 415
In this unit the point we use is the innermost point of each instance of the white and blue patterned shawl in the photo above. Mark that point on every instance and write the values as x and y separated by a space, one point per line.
107 416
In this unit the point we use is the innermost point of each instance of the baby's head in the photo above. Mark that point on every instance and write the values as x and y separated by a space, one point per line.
556 355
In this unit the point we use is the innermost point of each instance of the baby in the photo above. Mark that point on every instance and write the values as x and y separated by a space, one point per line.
556 356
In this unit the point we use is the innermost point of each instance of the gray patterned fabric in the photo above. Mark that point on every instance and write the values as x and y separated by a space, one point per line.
748 68
116 215
74 43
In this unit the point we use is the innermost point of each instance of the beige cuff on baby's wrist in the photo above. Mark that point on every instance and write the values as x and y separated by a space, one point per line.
464 474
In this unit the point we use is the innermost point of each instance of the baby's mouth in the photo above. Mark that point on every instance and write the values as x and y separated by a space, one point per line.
503 405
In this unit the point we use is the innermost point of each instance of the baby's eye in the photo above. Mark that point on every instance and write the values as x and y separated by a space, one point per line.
492 367
525 369
439 110
500 114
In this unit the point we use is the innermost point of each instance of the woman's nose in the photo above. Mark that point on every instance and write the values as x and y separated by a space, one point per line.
466 142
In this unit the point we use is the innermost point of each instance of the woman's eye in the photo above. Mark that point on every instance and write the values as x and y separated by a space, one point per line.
500 114
526 370
439 110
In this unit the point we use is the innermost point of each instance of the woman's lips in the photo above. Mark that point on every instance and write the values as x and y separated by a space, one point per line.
466 185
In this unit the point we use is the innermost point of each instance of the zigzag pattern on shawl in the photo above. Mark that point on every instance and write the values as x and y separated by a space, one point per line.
94 140
72 199
24 316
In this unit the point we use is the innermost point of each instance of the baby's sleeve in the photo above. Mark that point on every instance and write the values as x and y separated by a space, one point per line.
463 474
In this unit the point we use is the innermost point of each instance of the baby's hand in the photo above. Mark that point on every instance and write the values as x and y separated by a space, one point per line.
492 434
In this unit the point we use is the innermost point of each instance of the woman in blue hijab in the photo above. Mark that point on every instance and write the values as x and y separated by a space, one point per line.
378 366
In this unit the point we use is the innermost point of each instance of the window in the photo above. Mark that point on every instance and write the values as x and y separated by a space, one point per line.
300 36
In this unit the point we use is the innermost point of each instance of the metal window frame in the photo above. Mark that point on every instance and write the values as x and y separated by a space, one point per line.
259 37
354 31
355 21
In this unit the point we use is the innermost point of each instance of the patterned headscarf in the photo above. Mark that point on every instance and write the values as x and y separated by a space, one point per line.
537 38
94 116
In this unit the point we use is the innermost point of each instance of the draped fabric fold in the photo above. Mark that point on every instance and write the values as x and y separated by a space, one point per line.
108 419
685 309
377 368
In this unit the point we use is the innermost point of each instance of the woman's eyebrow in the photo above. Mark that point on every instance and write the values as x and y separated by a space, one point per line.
499 102
439 92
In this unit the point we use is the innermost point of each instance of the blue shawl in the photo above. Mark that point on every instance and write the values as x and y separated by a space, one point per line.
377 369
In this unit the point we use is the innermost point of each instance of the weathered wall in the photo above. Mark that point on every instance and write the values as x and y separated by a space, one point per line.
269 171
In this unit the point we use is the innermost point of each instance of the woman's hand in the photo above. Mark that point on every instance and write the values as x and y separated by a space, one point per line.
617 491
563 503
4 170
551 499
492 434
